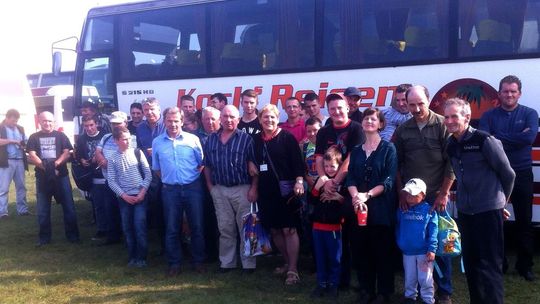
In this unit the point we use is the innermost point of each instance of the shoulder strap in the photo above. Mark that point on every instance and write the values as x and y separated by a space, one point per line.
265 149
139 165
3 132
107 139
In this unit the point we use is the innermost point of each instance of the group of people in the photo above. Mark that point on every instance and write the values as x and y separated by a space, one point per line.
309 175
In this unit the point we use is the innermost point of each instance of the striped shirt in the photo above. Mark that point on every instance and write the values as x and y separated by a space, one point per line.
178 159
124 175
108 147
229 161
393 119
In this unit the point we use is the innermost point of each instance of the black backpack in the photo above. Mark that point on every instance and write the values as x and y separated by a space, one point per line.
82 175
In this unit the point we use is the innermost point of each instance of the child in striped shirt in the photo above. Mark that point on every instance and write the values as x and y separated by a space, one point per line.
129 177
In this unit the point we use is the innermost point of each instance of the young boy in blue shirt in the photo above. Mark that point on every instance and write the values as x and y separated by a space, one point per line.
417 238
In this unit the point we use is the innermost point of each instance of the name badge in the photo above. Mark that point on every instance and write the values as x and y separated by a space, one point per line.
264 167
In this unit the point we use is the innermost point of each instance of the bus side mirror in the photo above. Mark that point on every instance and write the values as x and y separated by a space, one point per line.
56 63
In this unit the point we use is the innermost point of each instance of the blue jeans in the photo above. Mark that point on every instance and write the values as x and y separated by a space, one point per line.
14 171
176 200
62 192
327 246
134 226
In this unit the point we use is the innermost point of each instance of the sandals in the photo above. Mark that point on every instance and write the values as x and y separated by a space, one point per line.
281 270
292 278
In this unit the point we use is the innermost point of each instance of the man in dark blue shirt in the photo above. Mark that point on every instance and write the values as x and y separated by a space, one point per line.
227 154
147 130
516 126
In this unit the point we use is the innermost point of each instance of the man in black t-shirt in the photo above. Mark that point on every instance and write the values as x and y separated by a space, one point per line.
343 132
49 151
249 122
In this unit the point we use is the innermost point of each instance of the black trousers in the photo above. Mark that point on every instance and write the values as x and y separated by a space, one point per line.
521 200
482 243
372 248
155 210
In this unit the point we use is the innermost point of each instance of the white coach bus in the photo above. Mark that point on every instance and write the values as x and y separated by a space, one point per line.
282 48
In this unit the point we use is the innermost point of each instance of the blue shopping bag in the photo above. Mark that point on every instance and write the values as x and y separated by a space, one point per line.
257 240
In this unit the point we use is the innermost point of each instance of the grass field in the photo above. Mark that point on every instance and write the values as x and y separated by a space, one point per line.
85 273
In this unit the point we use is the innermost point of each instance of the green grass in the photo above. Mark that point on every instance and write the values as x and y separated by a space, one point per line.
85 273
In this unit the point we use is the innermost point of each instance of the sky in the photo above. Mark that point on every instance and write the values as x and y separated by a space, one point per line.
29 27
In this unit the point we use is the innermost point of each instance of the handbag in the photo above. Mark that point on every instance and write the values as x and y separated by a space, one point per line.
256 239
286 187
449 238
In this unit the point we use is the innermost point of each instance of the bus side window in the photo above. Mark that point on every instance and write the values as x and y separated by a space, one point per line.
145 70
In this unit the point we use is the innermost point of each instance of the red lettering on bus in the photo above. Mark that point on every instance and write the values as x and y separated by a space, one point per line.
381 96
200 99
182 92
322 93
236 98
281 92
367 93
301 93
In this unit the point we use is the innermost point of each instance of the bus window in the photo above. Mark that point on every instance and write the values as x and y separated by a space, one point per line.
262 35
497 27
163 43
99 34
96 75
363 32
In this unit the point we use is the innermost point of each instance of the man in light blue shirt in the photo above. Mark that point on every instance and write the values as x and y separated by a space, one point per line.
177 159
397 114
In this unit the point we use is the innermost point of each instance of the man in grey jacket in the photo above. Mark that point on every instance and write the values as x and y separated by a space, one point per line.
484 184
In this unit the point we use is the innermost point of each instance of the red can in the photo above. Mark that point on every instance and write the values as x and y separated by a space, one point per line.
362 216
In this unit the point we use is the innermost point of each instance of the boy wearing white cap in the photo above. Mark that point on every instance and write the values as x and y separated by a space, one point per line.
417 239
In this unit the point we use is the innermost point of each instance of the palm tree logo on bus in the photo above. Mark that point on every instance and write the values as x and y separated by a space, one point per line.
479 94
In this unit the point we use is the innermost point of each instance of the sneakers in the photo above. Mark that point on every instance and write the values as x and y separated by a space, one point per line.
248 271
318 292
222 270
444 299
42 243
321 291
141 264
528 275
173 271
332 291
408 301
136 263
99 236
199 268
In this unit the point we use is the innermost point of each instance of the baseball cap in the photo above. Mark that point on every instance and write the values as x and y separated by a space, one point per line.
352 91
118 117
414 186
